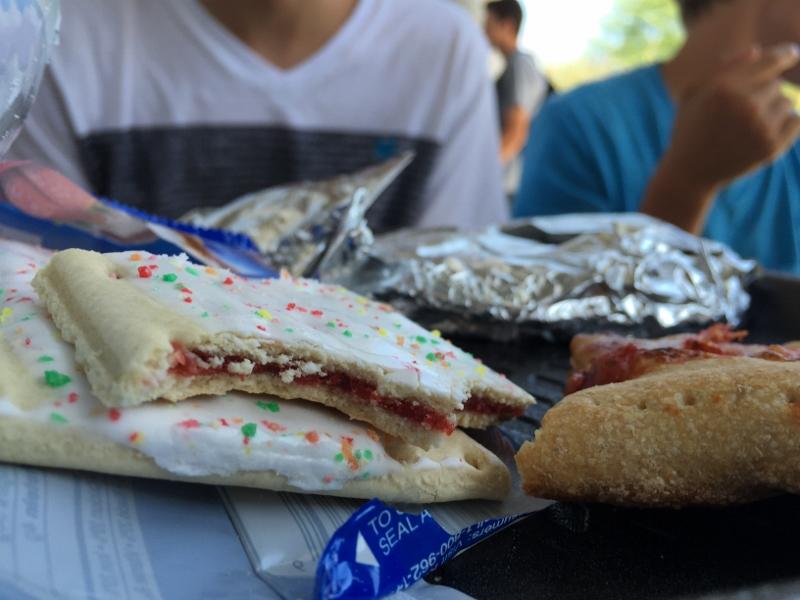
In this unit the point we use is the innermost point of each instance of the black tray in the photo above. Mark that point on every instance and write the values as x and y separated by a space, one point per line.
599 552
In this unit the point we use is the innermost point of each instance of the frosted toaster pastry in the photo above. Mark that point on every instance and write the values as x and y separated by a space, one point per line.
148 327
49 417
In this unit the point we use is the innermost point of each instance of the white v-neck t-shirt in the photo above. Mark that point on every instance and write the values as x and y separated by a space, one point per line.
155 104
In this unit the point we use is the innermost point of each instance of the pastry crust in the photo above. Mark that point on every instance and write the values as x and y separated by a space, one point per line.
127 332
714 432
49 417
481 475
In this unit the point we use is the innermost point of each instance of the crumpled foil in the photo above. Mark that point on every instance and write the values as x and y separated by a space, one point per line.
307 228
556 275
551 276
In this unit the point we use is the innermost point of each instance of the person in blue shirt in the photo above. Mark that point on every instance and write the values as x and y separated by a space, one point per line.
706 141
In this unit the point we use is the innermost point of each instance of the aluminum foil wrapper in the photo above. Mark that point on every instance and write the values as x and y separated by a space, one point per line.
307 228
557 276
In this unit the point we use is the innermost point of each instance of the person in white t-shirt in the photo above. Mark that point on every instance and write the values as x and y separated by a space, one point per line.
168 105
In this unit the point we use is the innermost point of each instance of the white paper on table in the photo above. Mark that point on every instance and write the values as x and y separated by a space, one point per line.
99 551
284 534
66 535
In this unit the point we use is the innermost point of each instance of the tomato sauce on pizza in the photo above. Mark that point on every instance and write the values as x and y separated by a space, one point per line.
599 359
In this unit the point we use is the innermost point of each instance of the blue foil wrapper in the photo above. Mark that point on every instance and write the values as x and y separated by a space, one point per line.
307 228
380 551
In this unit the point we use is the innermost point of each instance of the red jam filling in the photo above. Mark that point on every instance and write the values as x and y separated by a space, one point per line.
485 406
623 360
185 364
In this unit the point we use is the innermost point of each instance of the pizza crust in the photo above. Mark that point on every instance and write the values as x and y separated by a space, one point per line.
480 475
713 432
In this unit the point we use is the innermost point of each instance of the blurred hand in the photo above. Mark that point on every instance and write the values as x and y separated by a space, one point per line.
735 121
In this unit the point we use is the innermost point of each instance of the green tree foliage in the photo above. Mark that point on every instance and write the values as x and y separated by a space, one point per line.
639 32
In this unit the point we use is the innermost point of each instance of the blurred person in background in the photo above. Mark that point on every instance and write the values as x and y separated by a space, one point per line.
706 141
521 88
173 105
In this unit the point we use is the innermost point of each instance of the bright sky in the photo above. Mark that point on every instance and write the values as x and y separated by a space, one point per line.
559 31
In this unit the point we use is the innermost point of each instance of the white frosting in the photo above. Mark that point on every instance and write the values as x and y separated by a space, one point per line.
314 447
301 313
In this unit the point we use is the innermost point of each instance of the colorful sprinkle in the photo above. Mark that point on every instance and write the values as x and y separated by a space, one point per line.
347 333
210 271
58 418
228 281
114 414
188 299
331 324
264 314
249 430
431 356
368 454
136 257
312 437
145 272
44 358
6 314
73 397
436 333
347 451
192 271
135 438
273 426
316 313
339 457
55 379
190 424
270 406
169 277
205 314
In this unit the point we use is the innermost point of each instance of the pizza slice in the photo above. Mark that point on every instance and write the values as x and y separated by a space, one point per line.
681 420
147 327
608 358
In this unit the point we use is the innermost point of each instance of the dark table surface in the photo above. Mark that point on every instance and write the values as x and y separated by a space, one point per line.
598 552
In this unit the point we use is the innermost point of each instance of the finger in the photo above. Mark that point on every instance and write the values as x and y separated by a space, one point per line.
772 63
768 93
730 63
747 56
780 106
790 130
770 100
778 119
